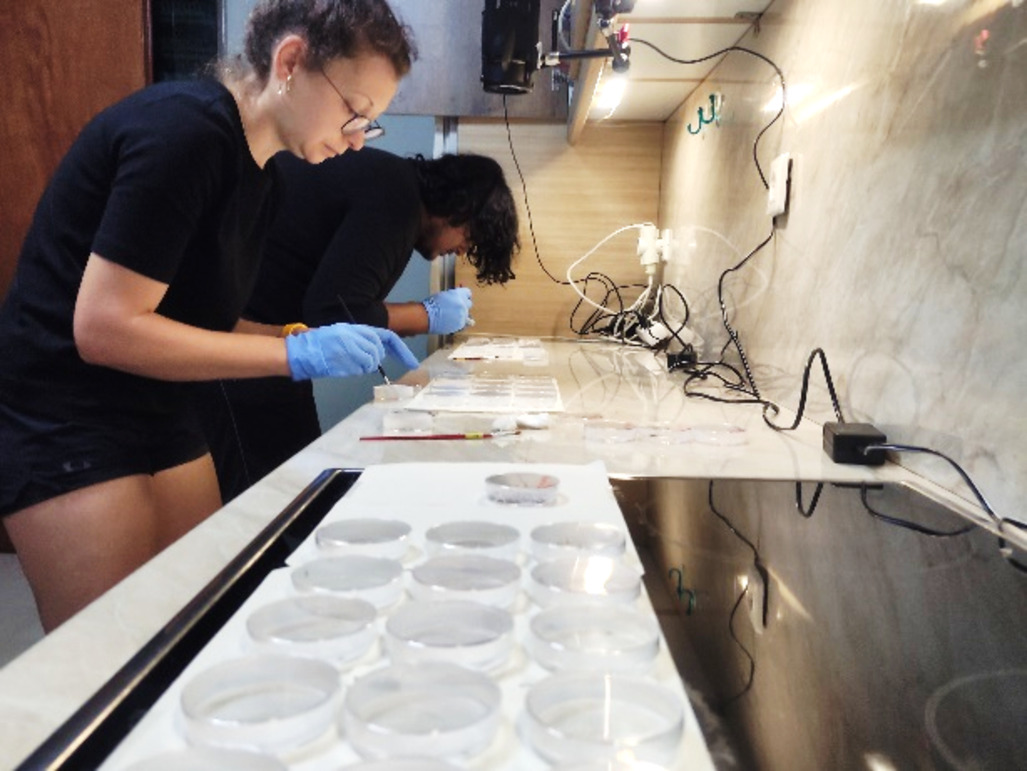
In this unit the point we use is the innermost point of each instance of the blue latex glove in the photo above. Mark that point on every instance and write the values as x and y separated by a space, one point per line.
343 349
448 311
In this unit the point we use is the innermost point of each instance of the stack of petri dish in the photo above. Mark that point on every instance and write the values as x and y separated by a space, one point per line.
263 702
337 629
597 716
570 580
461 632
432 709
572 539
466 577
522 489
370 537
594 637
375 579
487 539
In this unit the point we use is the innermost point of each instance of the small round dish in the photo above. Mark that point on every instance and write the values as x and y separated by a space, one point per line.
611 431
401 764
611 638
208 759
597 716
265 702
489 539
583 579
570 539
458 631
338 629
435 709
375 579
369 537
466 577
522 488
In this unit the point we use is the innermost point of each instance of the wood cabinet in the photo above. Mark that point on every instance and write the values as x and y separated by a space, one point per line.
63 63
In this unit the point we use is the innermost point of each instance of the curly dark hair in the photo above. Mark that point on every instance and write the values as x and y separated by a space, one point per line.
468 189
332 28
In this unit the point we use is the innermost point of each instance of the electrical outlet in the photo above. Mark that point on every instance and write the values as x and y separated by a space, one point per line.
777 193
756 597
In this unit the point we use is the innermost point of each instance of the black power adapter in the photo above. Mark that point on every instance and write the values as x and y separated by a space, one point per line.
847 443
686 357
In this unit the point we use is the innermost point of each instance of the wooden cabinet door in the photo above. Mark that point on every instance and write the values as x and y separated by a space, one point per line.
63 62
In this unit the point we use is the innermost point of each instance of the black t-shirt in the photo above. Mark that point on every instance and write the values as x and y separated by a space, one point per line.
162 183
344 228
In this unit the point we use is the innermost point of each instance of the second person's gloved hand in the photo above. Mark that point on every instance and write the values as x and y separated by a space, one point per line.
448 311
343 349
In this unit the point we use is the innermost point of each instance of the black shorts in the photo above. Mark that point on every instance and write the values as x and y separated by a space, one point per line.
42 457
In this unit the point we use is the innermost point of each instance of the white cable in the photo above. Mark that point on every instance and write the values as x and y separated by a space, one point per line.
589 253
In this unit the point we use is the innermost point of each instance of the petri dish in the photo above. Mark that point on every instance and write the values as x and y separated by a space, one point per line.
375 579
265 702
601 716
466 577
209 759
461 632
611 431
369 537
490 539
612 638
402 764
583 579
566 539
434 709
522 488
338 629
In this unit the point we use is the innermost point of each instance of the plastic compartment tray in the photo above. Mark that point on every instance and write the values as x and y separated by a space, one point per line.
208 759
611 638
375 579
489 539
370 537
588 579
265 702
461 632
432 709
522 488
337 629
567 539
596 716
466 577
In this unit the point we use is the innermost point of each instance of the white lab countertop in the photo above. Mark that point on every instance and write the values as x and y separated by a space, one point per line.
598 382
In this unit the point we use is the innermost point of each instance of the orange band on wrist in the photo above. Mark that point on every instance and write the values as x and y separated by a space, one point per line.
293 329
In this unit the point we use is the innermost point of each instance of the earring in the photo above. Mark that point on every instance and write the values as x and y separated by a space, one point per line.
285 88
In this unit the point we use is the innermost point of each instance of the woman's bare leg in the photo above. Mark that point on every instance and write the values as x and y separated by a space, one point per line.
76 546
185 496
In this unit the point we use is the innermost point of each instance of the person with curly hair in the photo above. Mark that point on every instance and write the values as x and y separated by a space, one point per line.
132 278
342 237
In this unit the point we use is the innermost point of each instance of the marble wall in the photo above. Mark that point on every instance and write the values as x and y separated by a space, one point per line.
902 251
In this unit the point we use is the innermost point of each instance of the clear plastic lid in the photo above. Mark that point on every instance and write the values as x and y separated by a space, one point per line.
375 579
577 579
370 537
568 539
338 629
522 488
612 638
597 716
461 632
402 764
208 759
432 709
466 577
489 539
265 702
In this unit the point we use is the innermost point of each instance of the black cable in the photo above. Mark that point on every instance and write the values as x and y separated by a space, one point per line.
524 189
752 662
740 49
773 408
1000 522
807 513
917 528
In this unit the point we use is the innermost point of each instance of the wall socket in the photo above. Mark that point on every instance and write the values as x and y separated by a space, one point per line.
777 184
756 597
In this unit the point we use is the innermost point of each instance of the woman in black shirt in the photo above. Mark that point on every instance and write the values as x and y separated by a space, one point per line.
141 255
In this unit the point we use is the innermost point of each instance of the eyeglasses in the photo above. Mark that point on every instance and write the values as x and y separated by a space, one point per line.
371 129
